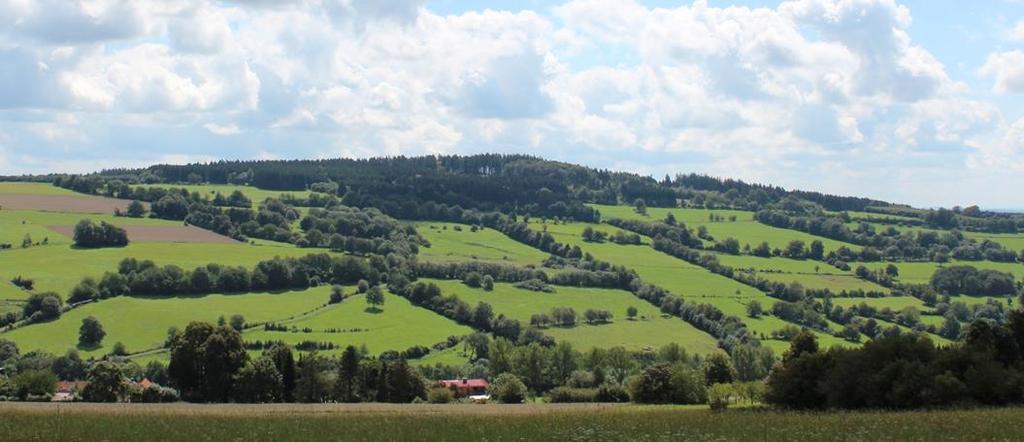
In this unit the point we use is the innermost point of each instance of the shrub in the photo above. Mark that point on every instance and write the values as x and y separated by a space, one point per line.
440 395
719 396
567 395
612 392
508 389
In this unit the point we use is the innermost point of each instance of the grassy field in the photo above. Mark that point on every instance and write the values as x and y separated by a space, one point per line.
371 422
896 303
744 229
651 331
809 273
680 277
256 194
15 224
33 189
60 268
921 272
450 245
142 323
398 325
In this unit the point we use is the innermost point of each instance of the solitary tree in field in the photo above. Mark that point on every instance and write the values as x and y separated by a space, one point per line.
136 209
631 313
238 322
91 333
337 295
488 283
375 297
754 309
640 206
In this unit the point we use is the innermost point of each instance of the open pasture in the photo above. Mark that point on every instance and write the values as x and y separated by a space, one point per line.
649 330
921 272
744 229
694 283
397 325
255 194
451 242
15 224
60 269
141 323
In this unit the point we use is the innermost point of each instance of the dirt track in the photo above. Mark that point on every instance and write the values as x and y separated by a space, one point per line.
62 203
160 233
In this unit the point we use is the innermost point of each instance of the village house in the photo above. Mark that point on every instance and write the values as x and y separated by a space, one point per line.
68 391
465 387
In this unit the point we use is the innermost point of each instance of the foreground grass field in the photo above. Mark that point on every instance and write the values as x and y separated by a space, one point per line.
649 330
142 323
583 422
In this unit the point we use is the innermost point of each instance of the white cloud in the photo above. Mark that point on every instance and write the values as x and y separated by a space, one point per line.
812 93
227 129
1007 68
1017 33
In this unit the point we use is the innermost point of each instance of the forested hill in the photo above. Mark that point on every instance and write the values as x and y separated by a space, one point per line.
487 182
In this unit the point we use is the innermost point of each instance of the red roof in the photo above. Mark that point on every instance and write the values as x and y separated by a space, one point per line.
71 386
465 383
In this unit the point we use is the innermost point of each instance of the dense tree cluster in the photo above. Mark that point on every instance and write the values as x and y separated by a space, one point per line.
91 235
905 371
138 278
967 280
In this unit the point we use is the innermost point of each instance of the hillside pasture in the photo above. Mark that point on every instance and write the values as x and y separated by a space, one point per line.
693 283
649 330
451 242
921 272
744 229
255 194
141 323
59 269
27 188
397 325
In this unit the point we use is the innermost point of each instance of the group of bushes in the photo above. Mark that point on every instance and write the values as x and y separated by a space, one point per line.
90 235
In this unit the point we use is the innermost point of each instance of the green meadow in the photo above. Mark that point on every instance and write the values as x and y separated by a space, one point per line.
744 229
60 268
809 273
458 242
255 194
921 272
33 189
142 323
694 283
649 330
397 325
15 224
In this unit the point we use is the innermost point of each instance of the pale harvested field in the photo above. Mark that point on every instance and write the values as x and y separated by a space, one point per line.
62 203
161 234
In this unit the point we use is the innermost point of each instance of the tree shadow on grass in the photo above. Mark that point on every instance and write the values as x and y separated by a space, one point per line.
374 310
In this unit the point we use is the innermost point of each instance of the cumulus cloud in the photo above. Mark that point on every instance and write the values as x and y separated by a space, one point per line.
1007 68
811 93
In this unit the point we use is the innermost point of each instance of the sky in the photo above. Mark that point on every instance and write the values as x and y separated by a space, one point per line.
918 102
